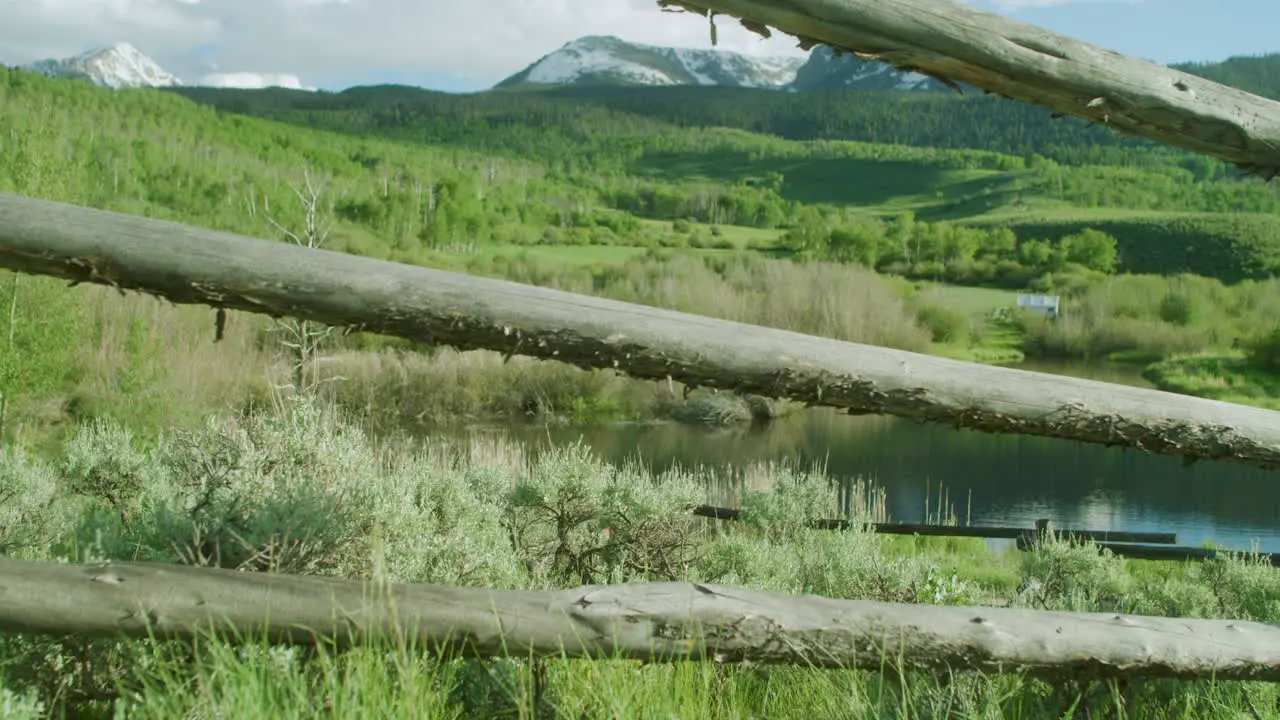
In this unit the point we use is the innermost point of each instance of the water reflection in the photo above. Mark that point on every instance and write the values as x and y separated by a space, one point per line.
990 479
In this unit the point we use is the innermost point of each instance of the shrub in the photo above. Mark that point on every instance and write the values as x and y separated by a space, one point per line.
1263 350
709 407
573 520
29 518
1245 586
1179 308
944 324
1057 575
785 511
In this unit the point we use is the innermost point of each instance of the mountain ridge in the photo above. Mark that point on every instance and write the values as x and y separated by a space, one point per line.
117 66
606 60
121 65
609 60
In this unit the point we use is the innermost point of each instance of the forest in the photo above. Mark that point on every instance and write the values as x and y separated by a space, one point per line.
942 120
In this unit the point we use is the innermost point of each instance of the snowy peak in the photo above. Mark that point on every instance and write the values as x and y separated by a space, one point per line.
827 71
119 66
607 60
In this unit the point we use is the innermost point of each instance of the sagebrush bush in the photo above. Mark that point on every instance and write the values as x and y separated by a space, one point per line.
1245 586
31 516
785 552
785 511
574 520
104 461
1062 576
300 490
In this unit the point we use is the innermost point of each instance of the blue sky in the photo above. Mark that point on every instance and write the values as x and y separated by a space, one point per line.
467 45
1165 31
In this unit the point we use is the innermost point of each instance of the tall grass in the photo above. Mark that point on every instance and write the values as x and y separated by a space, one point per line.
298 489
845 302
90 352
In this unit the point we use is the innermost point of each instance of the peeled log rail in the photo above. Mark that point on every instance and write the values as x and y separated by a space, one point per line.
957 43
191 265
972 531
659 622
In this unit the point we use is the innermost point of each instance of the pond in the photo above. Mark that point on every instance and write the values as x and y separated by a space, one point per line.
988 479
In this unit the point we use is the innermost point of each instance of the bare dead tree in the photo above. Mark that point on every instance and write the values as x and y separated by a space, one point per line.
302 338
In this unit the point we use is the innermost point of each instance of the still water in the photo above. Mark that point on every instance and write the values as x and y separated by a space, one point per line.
989 479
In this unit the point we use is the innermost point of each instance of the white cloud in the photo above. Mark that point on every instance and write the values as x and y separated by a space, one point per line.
250 80
329 38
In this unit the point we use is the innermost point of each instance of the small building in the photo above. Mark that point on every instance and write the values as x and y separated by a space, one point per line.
1046 304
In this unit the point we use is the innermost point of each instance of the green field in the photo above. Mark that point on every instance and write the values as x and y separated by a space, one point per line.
976 300
886 186
563 255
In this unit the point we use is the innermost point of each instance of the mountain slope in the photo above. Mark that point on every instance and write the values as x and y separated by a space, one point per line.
826 71
607 60
119 66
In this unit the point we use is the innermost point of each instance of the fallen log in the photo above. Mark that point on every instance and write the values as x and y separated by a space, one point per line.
959 44
185 264
658 622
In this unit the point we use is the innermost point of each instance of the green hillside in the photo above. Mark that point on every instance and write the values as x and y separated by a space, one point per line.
153 153
942 119
1229 246
580 174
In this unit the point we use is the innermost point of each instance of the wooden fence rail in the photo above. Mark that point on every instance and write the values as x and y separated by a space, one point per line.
659 622
1164 552
190 265
1119 542
955 42
972 531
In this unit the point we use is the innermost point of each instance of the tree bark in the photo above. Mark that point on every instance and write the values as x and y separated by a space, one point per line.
657 622
957 43
191 265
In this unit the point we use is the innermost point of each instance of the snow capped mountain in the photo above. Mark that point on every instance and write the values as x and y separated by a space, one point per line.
607 60
825 71
118 66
